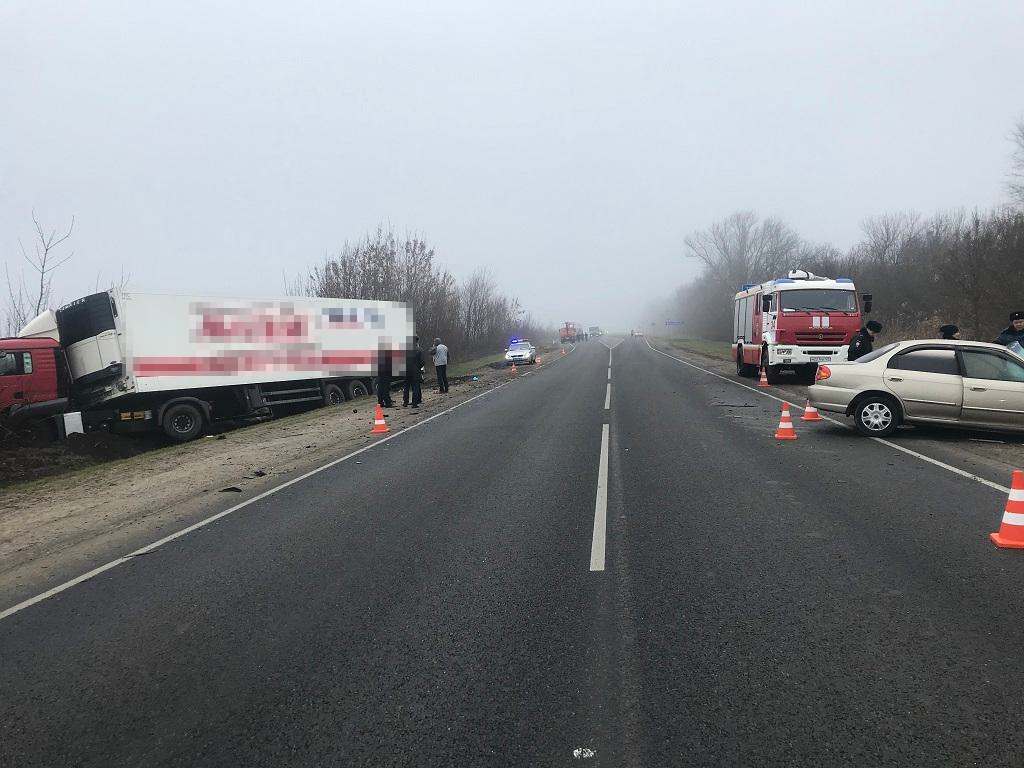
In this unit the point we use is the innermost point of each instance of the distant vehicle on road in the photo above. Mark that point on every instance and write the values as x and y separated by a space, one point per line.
595 331
133 362
794 323
967 384
521 351
568 333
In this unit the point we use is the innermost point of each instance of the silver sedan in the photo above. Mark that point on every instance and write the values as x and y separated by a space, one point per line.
966 384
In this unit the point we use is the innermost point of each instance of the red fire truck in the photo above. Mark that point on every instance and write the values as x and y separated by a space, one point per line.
567 333
794 323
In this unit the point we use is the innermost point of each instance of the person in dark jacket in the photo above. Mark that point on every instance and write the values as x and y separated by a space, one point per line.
384 375
1014 332
949 332
863 341
413 374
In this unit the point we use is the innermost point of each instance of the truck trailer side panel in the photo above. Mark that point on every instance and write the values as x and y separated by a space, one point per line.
171 343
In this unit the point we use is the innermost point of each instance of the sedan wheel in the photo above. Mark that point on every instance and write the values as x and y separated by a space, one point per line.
876 417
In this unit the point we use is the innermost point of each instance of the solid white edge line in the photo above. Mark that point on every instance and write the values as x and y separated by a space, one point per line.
597 545
608 397
206 521
883 441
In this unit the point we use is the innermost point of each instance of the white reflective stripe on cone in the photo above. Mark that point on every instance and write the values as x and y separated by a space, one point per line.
1016 495
1013 518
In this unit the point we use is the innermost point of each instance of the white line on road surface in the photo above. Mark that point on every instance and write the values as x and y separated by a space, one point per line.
608 397
202 523
609 374
915 454
600 506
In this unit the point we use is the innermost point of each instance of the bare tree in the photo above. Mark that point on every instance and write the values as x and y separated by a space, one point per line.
472 317
115 284
741 248
26 300
1016 182
889 235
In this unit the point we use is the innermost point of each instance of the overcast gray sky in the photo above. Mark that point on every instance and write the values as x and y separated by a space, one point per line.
568 146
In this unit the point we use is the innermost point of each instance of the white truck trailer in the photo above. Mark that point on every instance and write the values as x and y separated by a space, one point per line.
128 361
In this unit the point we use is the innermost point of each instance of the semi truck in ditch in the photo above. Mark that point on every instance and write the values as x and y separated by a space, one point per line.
793 323
130 362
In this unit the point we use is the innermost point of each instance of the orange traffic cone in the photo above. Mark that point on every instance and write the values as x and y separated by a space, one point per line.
764 379
563 350
785 430
379 425
513 366
537 360
1011 530
811 413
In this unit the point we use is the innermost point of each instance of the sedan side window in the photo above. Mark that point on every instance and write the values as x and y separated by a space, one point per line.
927 361
985 365
8 364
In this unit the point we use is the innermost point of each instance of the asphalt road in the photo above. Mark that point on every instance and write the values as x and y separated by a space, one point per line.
829 601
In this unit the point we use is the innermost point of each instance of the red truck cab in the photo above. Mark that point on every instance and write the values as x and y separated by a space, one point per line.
33 379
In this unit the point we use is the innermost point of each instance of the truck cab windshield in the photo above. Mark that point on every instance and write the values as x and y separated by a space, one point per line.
818 300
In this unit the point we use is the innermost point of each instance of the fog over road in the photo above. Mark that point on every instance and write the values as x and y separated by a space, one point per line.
495 594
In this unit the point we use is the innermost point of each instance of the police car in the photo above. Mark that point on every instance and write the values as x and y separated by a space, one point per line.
520 351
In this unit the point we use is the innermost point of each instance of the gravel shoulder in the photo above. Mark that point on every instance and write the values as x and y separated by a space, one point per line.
54 528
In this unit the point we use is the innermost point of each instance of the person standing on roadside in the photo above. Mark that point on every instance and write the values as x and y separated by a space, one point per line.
413 374
1014 332
949 332
864 340
439 353
384 374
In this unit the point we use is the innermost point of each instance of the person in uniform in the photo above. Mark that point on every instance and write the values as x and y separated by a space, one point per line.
1014 332
864 340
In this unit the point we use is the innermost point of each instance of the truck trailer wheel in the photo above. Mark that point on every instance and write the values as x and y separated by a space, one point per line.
356 388
333 395
182 422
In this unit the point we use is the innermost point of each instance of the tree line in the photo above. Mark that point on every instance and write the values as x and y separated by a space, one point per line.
472 316
962 268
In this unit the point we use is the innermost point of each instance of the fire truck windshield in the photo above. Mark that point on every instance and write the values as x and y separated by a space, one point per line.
818 300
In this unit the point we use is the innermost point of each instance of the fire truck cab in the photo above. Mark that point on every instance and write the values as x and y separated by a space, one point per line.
794 323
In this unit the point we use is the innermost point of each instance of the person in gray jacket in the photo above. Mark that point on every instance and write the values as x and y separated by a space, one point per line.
439 352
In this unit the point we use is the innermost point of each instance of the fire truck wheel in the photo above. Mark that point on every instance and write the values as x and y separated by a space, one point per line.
744 369
182 422
806 373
